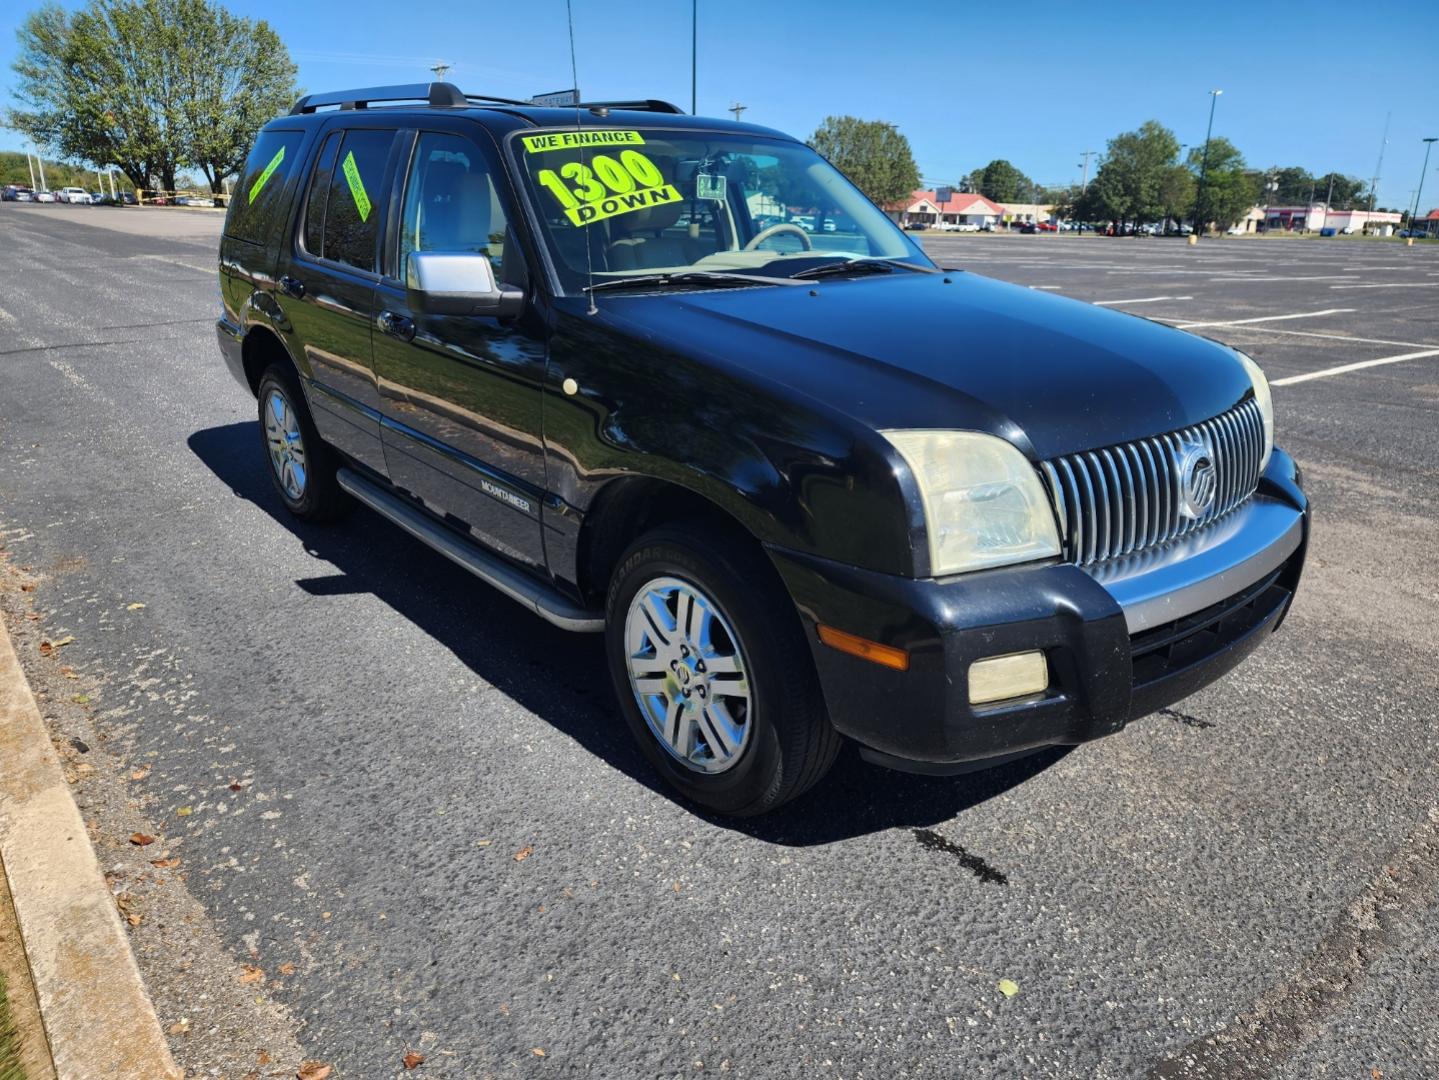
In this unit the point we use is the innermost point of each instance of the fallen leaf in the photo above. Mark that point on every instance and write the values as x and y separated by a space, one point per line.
81 699
185 811
251 974
134 607
140 773
524 853
1008 987
165 864
47 646
68 671
33 616
537 1051
1376 1074
134 920
29 586
325 915
180 1027
677 886
237 787
139 839
313 1070
413 1060
287 968
263 1058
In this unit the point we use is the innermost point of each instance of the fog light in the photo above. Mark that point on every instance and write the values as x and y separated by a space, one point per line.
1012 676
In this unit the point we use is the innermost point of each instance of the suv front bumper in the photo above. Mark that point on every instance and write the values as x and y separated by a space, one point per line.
1122 640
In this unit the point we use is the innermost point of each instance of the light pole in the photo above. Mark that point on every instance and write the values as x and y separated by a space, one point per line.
694 55
31 166
1414 214
1204 163
1271 185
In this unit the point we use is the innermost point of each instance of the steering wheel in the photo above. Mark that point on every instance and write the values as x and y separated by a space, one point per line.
779 227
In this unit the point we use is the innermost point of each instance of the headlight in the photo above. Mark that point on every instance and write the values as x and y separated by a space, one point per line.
984 505
1264 400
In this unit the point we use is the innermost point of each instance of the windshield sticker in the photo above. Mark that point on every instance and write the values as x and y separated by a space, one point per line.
708 186
573 140
269 170
357 186
607 187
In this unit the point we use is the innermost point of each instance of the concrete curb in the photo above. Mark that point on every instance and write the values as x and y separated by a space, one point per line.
97 1014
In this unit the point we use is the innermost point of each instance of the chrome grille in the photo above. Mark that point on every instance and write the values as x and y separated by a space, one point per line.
1124 498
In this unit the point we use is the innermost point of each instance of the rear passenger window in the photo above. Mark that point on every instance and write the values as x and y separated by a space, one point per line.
314 240
256 206
355 203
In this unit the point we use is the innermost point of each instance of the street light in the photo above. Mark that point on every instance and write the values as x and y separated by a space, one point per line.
1204 163
1413 214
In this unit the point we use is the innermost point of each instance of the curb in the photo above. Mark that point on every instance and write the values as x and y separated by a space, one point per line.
97 1015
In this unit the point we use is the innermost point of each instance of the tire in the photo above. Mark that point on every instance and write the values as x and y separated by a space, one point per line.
301 466
779 741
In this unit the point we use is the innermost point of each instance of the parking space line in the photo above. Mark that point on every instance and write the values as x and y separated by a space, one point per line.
6 317
1140 300
1393 285
1269 318
1342 368
1344 337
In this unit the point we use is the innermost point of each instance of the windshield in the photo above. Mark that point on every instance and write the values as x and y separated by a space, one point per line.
640 203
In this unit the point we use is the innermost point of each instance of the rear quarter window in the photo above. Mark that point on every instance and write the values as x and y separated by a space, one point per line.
258 206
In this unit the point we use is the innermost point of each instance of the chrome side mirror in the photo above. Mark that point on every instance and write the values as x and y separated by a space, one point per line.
445 283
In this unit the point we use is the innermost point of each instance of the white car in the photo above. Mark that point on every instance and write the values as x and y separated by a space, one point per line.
44 196
74 195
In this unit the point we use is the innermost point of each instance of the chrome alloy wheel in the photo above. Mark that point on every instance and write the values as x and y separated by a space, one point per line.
287 448
688 674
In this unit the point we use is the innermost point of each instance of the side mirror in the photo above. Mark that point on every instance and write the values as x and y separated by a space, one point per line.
444 283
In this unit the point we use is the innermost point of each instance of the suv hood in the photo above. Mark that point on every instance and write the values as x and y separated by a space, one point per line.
919 351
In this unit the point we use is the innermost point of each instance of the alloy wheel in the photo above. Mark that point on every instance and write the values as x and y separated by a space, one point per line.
286 445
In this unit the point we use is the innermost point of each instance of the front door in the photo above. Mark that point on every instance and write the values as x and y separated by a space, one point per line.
461 394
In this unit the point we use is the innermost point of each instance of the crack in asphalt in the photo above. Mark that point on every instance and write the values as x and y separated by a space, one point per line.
1285 1017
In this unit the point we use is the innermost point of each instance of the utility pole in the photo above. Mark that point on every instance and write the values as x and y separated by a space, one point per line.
40 164
694 56
1414 214
441 69
1084 180
1199 221
737 108
31 166
1378 169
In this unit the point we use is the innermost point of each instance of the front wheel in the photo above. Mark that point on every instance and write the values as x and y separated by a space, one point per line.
713 673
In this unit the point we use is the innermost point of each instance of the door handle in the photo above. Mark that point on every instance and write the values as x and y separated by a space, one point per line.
399 326
292 286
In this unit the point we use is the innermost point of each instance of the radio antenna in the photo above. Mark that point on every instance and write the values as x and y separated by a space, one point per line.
575 81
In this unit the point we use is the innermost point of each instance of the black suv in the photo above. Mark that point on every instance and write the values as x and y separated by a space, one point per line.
676 380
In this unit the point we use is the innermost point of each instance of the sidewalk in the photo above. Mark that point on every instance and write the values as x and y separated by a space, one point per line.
95 1010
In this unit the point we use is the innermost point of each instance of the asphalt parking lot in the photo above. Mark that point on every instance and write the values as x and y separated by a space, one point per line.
414 808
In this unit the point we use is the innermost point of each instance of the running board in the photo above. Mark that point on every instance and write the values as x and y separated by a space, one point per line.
546 602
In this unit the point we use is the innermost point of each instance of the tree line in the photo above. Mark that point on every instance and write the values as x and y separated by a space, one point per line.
150 86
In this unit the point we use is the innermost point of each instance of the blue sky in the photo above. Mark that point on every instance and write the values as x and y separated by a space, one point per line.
1304 84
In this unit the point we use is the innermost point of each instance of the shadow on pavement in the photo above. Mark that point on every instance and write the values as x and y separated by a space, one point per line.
560 676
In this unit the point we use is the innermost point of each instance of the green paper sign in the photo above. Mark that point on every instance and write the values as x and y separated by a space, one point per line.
357 186
269 169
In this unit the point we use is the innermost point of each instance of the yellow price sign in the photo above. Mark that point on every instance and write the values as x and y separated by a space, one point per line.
357 186
259 183
607 186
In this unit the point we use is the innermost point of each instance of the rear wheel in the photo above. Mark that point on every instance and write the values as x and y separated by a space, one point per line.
713 674
301 465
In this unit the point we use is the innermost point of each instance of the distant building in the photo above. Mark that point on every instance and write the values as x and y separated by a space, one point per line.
1316 216
925 207
1429 223
1024 213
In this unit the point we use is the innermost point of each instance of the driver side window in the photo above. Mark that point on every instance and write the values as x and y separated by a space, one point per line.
452 204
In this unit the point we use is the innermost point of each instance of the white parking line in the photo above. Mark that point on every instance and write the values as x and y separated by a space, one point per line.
5 316
1140 300
1344 337
1342 368
1393 285
1270 318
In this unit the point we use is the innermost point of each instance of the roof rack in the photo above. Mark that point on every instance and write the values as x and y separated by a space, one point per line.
439 95
645 105
443 95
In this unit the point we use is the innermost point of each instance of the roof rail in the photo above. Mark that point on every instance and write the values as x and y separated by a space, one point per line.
645 105
439 95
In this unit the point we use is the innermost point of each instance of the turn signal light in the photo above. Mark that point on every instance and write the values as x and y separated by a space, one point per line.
998 678
873 651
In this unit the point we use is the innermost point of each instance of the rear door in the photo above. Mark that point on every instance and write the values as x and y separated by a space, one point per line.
461 394
326 286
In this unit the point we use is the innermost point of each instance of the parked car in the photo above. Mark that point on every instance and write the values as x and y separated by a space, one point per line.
765 477
45 196
917 226
1029 228
126 198
75 195
15 193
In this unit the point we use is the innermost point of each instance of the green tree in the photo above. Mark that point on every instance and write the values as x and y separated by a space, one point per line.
1002 182
1228 191
1130 182
1295 184
149 85
1176 192
872 153
1348 193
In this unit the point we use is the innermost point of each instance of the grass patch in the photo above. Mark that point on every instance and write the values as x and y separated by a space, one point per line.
11 1067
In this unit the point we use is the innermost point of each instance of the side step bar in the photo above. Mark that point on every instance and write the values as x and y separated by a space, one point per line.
546 602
